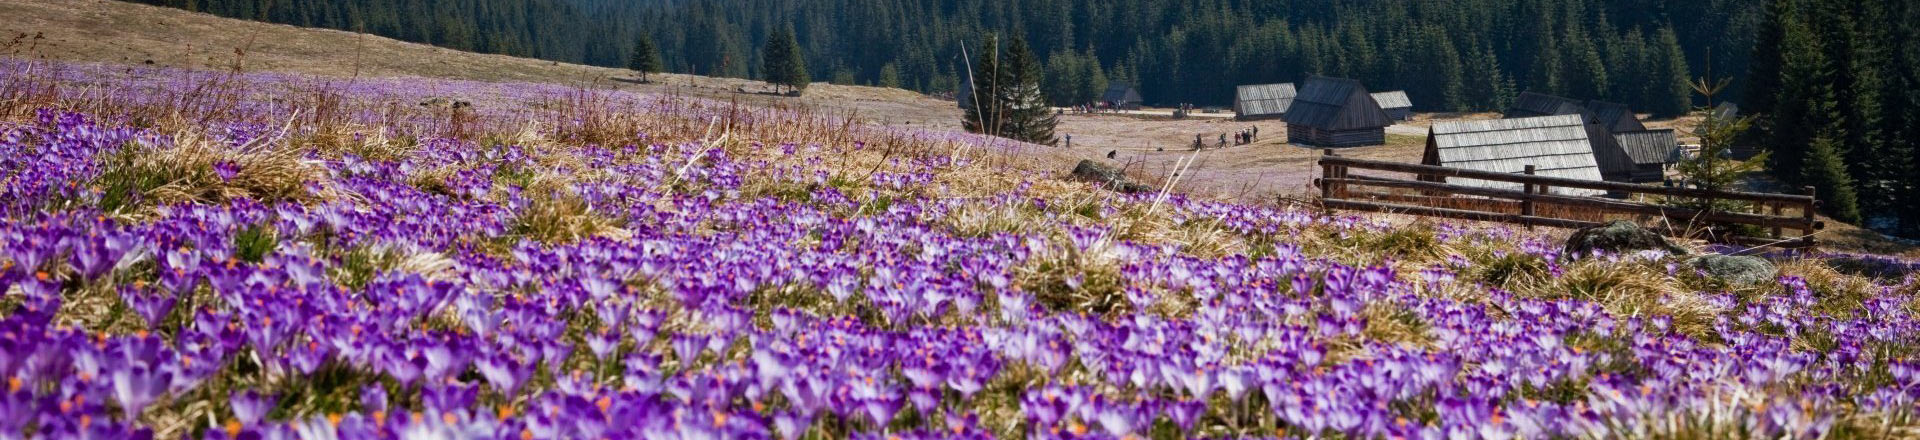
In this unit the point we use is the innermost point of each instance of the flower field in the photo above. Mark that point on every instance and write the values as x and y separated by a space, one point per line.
217 255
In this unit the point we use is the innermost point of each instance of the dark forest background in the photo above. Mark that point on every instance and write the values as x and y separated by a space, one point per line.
1448 54
1832 83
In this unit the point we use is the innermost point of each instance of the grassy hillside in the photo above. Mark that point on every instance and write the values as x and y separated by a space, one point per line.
123 33
215 254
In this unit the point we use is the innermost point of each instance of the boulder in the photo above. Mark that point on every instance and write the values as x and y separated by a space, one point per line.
1737 270
1105 175
1616 238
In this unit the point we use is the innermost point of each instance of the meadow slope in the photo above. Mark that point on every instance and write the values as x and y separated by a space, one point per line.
221 255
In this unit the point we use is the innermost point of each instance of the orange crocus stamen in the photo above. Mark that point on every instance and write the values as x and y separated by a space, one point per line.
233 428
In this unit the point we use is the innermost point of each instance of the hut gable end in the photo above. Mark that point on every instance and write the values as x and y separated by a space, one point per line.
1336 104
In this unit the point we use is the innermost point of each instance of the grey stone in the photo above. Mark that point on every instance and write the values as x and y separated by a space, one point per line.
1735 269
1106 175
1616 238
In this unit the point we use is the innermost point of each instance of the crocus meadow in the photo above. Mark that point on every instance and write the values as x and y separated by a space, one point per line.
296 257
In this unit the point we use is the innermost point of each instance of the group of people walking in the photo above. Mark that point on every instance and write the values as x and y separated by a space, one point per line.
1094 107
1243 137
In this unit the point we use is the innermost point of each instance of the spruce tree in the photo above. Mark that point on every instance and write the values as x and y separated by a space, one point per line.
1806 105
781 64
1029 117
1489 88
646 57
1063 78
1827 173
889 76
1093 80
1764 66
987 115
1869 67
1667 77
1546 67
1586 74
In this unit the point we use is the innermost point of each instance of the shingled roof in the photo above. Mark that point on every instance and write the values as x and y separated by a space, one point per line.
1263 99
1393 99
1120 93
1648 147
1556 146
1618 118
1334 104
1530 104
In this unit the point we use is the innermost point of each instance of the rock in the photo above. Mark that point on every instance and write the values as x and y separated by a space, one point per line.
1619 237
445 102
1735 269
1106 175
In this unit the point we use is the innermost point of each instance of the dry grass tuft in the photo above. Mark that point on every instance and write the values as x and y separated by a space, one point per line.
141 176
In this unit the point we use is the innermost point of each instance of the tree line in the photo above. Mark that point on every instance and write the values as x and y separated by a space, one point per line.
1833 95
1447 54
1834 87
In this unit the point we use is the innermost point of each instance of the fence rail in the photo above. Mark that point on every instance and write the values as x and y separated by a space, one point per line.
1428 194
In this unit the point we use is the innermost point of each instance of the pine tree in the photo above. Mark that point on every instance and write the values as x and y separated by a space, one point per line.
890 76
1806 105
1029 117
1869 67
646 58
1827 173
1586 73
1764 65
1063 78
781 64
1490 88
1547 67
987 116
1667 81
1093 81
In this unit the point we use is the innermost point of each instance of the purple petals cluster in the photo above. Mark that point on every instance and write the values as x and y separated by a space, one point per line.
415 305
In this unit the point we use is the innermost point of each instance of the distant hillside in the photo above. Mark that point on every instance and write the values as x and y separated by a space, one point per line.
1448 54
127 33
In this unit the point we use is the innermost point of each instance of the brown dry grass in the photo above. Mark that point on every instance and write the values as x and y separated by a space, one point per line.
107 31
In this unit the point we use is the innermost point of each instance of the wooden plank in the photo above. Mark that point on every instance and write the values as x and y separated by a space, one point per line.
1461 214
1563 182
1684 214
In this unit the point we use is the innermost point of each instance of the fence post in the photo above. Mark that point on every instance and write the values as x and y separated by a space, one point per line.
1773 208
1813 203
1326 172
1526 205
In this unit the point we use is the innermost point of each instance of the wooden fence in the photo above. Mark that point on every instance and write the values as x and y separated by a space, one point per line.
1428 195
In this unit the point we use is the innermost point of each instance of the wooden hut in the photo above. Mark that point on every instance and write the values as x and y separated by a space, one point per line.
1726 110
1618 118
1336 112
1615 164
1556 146
1396 104
1121 96
1651 151
1263 101
1530 104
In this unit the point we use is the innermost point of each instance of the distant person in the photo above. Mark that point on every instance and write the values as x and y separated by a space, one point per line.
1223 140
1256 132
1069 141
